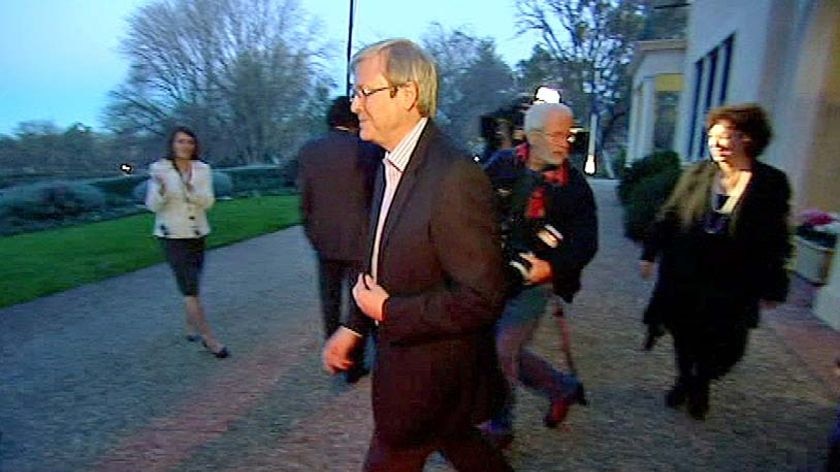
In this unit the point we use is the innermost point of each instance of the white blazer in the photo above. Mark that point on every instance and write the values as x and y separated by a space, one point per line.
180 212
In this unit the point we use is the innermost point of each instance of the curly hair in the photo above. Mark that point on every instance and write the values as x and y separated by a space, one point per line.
748 118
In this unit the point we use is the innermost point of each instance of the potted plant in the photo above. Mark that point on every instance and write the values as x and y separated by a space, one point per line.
815 240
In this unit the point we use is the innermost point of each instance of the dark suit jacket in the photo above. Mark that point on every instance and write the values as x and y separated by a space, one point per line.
335 179
440 261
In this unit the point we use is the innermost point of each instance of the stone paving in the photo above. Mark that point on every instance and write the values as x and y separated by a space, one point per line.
99 378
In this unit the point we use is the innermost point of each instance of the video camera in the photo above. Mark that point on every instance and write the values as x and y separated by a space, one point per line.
542 240
522 234
507 123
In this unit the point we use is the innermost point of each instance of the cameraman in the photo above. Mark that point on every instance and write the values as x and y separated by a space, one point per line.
550 229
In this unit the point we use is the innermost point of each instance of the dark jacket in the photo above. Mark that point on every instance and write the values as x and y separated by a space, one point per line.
440 261
721 277
335 178
569 208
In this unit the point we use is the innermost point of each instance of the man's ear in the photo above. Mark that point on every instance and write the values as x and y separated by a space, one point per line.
408 95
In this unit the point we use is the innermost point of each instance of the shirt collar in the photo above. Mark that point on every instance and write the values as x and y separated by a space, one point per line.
402 153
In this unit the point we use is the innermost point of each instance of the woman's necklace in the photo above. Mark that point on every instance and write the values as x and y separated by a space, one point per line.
733 186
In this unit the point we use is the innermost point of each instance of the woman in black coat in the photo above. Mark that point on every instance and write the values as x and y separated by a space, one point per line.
722 240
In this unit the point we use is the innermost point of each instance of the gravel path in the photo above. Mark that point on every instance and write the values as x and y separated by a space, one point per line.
99 378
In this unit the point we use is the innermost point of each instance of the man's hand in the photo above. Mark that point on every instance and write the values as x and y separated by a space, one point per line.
369 296
540 270
338 349
646 269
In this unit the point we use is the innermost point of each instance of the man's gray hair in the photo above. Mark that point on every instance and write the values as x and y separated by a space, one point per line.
406 62
536 115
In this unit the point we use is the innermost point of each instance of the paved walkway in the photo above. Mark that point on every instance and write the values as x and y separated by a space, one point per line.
99 378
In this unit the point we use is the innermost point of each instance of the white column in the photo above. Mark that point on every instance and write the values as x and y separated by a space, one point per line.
648 118
633 132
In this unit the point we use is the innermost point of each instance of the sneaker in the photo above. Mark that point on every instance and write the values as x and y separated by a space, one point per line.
559 408
557 412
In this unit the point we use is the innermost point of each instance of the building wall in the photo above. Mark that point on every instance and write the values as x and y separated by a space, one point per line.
658 69
758 33
786 57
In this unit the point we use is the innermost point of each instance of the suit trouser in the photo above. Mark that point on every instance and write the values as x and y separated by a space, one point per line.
467 452
333 276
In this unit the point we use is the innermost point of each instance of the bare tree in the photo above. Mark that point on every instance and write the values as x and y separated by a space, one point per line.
242 72
474 80
590 43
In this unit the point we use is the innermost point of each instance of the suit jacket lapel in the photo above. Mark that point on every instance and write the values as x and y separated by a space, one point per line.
407 182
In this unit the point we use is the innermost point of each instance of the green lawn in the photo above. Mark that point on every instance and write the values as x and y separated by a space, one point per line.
45 262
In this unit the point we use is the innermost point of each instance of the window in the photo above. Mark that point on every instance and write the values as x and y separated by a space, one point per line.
711 83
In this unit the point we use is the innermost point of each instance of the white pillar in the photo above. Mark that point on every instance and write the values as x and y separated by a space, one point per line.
648 118
633 132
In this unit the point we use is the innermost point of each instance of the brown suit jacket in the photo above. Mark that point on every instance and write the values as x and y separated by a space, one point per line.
440 261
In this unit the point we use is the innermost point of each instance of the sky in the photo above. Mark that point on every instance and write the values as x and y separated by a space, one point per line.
60 58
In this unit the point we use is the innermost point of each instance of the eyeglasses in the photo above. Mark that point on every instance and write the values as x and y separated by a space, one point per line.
355 92
568 137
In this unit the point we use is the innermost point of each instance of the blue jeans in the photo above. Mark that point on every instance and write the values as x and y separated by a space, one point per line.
514 331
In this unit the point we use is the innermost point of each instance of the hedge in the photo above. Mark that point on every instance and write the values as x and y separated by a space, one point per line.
644 187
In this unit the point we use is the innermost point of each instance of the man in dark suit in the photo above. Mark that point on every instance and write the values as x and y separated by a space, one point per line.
335 179
434 281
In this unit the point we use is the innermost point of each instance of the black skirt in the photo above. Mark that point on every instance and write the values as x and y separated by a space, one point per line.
186 258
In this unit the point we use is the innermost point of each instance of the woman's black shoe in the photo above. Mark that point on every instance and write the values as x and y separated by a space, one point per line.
698 401
220 354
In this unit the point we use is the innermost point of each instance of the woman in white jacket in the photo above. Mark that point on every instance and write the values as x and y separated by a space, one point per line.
180 192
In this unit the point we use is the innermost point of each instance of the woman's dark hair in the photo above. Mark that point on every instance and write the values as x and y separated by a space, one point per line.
748 118
339 114
171 141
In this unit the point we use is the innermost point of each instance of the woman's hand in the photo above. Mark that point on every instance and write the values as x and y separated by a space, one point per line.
160 181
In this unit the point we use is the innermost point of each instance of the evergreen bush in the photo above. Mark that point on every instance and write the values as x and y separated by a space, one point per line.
644 187
51 200
649 165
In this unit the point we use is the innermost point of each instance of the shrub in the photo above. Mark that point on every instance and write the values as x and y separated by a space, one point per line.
644 201
222 187
254 180
118 190
647 166
53 200
222 184
138 194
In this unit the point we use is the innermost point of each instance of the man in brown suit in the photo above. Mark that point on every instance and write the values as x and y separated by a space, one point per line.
434 281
